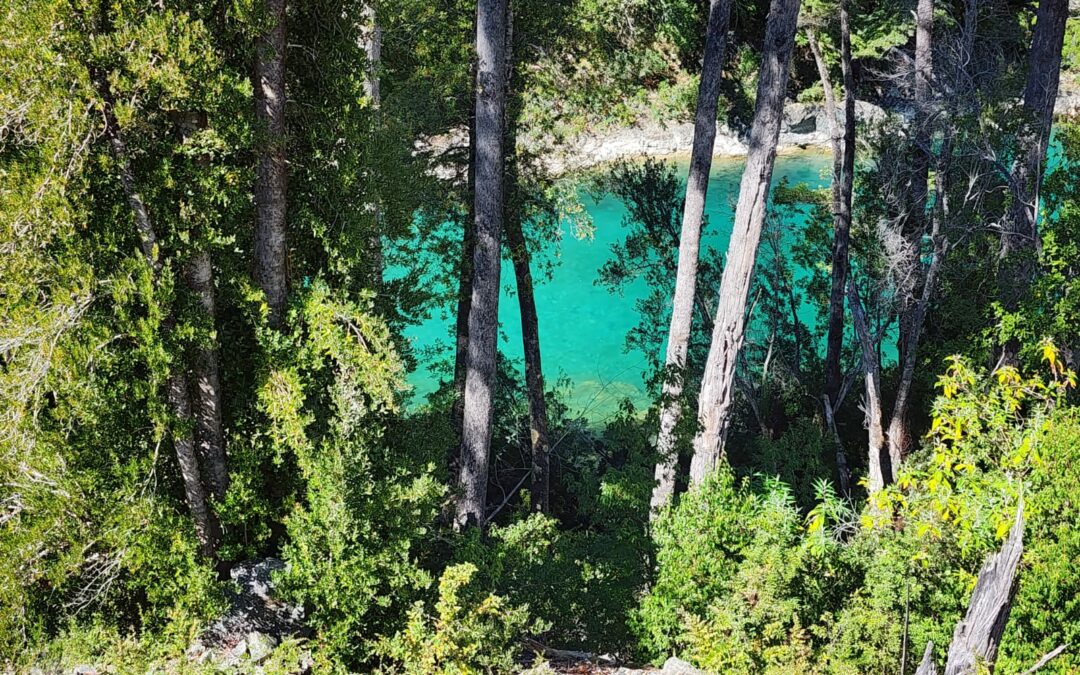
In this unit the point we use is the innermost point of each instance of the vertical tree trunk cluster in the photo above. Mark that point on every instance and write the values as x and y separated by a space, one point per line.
682 310
715 400
271 182
477 412
178 396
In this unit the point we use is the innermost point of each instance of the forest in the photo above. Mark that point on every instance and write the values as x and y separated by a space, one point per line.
451 337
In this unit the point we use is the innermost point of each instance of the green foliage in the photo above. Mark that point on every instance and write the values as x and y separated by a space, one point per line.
364 505
471 632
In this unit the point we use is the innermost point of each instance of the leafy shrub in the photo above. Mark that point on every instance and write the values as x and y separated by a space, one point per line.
366 504
471 631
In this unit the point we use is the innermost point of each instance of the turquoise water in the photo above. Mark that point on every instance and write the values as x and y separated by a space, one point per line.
582 326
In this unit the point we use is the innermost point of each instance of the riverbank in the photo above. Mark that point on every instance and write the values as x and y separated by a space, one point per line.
804 127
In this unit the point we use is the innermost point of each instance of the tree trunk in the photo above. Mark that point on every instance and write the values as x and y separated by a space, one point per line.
468 250
477 415
206 526
682 310
714 405
898 436
879 469
1019 240
976 638
843 186
271 271
371 42
208 432
914 221
927 666
534 374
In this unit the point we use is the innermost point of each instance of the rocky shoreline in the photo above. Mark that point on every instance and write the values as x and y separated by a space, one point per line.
805 127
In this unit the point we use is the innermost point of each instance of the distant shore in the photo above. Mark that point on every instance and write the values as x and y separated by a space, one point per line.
805 127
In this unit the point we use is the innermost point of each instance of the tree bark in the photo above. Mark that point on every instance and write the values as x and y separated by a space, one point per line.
976 638
491 19
534 374
468 250
843 187
271 181
210 439
714 404
914 220
879 469
1019 237
682 310
206 525
371 42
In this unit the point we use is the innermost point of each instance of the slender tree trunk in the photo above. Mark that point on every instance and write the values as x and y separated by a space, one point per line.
1019 240
879 468
271 270
539 440
477 416
371 41
843 187
534 374
914 221
898 435
682 310
714 405
206 525
209 436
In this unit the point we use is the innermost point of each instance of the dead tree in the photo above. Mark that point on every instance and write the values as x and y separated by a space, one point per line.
977 636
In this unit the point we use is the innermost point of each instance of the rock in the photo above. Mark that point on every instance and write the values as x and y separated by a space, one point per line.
260 646
255 622
675 666
84 670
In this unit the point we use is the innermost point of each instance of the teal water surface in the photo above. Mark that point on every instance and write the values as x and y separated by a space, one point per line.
583 327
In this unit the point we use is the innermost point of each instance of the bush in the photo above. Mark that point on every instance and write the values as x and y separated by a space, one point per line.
471 631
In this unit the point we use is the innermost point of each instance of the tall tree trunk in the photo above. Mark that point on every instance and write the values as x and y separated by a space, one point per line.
477 415
534 374
913 310
843 187
1019 240
371 41
271 270
539 440
468 250
206 525
879 470
682 310
714 405
209 436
